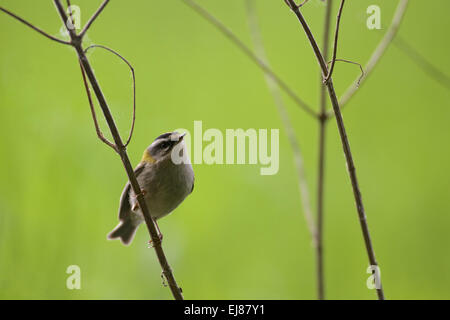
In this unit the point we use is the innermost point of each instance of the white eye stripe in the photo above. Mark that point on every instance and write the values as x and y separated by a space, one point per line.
161 144
157 143
164 143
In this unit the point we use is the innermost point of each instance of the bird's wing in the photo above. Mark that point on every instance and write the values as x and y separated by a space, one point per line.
124 207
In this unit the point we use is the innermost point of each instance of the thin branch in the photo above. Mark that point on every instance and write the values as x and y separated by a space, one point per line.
301 4
321 161
70 11
345 144
377 54
422 62
267 70
278 99
336 36
69 5
94 116
92 19
121 150
133 120
358 81
45 34
71 19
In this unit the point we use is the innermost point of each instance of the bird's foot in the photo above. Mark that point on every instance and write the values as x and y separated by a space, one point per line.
143 192
136 204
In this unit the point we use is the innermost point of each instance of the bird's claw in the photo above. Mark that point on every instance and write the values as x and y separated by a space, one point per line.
143 192
136 204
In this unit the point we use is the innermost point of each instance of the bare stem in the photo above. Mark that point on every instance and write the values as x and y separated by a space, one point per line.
45 34
94 115
246 50
278 99
336 37
355 63
345 143
422 62
377 54
321 162
71 19
133 118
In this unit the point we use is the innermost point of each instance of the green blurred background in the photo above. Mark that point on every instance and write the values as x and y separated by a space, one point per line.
240 235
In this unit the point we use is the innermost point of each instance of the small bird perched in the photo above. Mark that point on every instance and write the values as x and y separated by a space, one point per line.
165 183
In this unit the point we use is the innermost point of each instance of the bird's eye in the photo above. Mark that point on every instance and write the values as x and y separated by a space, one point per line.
164 145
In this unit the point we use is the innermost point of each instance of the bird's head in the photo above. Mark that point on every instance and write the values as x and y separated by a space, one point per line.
162 146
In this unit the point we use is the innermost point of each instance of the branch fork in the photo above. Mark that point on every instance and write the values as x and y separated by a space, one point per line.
120 148
294 6
323 115
344 139
88 75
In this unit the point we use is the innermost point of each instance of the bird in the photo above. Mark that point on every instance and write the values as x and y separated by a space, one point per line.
166 178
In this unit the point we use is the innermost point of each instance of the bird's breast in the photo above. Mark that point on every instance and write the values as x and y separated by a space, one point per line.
166 186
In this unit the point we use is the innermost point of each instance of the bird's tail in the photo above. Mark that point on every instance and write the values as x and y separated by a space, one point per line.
125 230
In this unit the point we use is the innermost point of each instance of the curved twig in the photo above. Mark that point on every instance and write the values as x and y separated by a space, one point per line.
336 35
321 160
345 144
422 62
88 73
94 116
358 81
134 85
45 34
121 150
377 54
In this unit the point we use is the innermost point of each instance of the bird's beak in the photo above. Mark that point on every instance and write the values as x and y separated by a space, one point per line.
180 137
